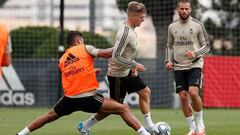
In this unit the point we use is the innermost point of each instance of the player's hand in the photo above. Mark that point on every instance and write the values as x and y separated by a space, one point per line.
169 65
134 72
139 67
98 71
190 54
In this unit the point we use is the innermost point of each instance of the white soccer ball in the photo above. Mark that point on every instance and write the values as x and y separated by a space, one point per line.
162 128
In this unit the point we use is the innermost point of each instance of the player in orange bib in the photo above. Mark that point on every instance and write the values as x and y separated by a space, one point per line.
79 85
5 48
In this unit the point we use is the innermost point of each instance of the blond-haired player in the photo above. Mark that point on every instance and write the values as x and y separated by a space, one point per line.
122 69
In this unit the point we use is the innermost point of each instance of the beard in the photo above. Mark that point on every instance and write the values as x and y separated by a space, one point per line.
184 17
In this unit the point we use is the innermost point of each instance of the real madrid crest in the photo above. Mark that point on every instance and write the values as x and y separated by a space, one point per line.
191 31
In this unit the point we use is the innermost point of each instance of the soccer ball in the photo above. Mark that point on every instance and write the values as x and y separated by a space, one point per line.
162 128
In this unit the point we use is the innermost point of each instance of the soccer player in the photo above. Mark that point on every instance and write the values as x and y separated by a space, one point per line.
79 85
187 43
5 48
123 70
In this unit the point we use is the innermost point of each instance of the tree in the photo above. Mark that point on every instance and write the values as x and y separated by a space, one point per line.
222 20
42 41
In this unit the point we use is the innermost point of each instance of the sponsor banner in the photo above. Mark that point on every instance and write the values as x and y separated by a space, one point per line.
221 86
12 91
29 83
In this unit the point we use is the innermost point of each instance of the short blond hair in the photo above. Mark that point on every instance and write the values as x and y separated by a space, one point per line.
135 7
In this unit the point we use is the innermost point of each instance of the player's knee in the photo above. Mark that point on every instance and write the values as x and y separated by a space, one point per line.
193 92
183 96
125 108
145 93
51 115
148 92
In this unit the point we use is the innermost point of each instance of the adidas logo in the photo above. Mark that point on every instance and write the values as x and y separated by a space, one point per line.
12 91
70 59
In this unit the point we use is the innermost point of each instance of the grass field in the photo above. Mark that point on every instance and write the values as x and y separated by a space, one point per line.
217 121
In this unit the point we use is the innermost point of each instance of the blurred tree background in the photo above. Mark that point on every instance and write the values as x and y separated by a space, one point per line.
42 41
222 21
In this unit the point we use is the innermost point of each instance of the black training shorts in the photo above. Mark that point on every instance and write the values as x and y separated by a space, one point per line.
186 78
66 105
120 86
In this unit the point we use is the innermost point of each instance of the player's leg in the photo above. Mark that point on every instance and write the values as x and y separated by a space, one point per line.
186 107
144 104
110 106
62 107
116 85
187 111
195 79
197 107
84 127
182 87
94 103
39 122
136 84
44 119
196 100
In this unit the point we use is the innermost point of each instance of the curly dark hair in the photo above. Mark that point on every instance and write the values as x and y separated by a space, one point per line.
72 36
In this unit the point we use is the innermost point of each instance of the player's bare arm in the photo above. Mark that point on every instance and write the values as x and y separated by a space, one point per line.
105 53
102 53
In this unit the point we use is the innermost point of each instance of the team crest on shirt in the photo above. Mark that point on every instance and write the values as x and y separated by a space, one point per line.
191 31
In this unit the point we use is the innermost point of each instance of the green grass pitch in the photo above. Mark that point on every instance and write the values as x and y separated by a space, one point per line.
217 122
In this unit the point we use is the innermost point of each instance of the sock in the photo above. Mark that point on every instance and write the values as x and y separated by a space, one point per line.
90 122
142 131
200 119
148 121
191 123
25 131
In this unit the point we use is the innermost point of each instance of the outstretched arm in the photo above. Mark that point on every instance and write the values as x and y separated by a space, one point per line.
105 53
101 53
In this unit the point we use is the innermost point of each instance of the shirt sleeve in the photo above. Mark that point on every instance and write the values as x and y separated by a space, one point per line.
204 42
92 50
122 40
169 48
